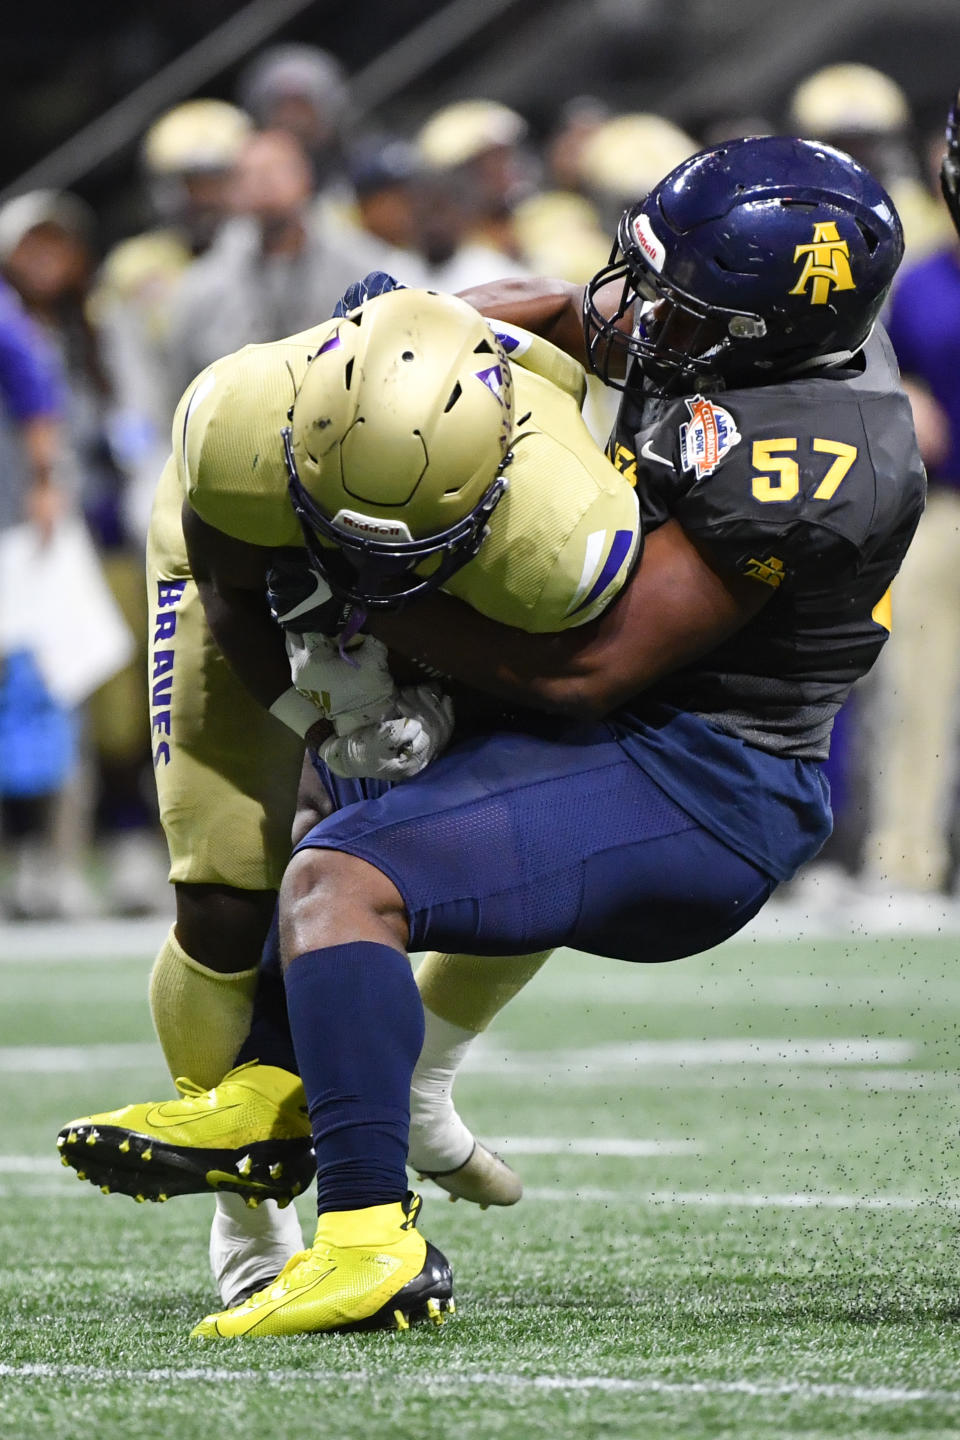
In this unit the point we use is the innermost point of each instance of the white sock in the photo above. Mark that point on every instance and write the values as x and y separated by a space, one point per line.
250 1246
439 1140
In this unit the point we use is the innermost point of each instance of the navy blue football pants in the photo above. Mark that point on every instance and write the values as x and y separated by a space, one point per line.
508 843
511 843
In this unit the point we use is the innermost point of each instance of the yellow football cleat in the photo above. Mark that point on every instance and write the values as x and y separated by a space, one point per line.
367 1270
483 1178
250 1134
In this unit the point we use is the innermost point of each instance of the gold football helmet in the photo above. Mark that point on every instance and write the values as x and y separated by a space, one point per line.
399 436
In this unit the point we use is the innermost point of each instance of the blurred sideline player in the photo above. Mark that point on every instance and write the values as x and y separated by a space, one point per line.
864 112
908 847
476 150
227 769
187 157
776 469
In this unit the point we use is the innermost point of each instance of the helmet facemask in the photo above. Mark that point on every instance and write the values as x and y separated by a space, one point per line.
376 573
680 343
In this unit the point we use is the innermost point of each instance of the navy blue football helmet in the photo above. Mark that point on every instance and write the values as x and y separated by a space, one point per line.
751 261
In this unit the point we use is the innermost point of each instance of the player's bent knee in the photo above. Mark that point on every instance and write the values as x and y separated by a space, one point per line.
329 897
223 928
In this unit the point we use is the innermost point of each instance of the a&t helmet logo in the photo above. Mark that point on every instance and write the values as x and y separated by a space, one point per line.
826 262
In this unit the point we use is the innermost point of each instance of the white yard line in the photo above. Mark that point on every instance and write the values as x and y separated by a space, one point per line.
703 1077
69 1059
621 1149
879 917
597 985
62 941
487 1059
41 1165
746 1200
628 1148
29 1164
450 1379
636 989
50 1191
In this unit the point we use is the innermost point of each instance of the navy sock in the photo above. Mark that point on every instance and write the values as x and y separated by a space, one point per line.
357 1025
269 1039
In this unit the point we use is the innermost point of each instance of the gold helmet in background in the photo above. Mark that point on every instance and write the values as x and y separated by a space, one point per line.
200 135
847 99
626 156
399 436
459 133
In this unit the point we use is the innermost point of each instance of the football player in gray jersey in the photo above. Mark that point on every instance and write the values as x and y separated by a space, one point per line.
776 467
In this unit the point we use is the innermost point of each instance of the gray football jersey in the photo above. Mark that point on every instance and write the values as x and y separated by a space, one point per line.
813 487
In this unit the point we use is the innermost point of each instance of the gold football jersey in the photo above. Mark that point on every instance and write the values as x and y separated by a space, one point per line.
561 541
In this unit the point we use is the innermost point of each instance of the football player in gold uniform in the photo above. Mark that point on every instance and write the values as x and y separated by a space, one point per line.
227 769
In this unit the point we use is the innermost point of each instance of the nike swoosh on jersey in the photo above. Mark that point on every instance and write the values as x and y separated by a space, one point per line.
159 1120
648 453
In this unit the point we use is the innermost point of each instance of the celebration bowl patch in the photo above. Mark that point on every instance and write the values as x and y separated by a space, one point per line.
707 436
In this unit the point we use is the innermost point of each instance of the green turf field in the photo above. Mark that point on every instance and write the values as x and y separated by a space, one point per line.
741 1218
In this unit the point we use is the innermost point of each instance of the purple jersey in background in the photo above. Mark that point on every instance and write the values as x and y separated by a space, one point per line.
924 326
31 382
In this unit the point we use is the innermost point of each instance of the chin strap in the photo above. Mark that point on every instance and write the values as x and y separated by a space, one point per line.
355 621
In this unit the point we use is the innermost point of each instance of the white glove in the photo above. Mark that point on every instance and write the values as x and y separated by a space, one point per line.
417 726
360 686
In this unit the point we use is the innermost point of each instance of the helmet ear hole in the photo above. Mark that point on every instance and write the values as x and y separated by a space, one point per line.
348 373
870 237
484 348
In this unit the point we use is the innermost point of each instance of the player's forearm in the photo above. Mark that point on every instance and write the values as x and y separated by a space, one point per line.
252 644
443 634
674 608
231 578
250 640
551 308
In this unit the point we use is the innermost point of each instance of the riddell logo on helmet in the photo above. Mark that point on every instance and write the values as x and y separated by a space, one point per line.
648 242
355 523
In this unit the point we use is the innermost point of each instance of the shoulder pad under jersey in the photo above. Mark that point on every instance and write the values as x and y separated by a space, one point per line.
543 358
